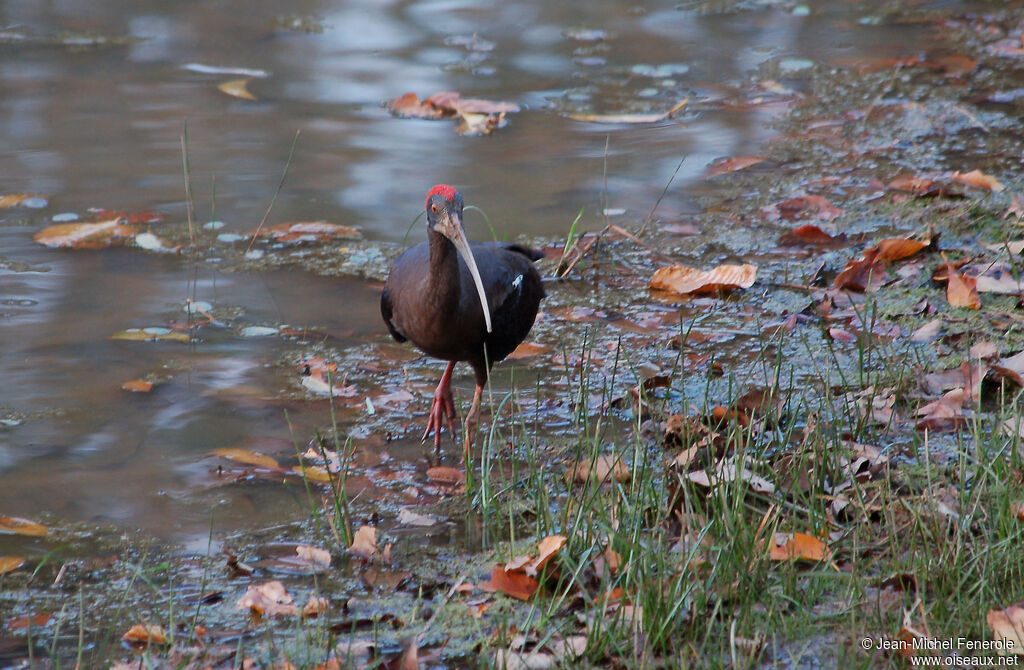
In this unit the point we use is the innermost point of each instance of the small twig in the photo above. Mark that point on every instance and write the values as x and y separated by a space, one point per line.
280 184
657 202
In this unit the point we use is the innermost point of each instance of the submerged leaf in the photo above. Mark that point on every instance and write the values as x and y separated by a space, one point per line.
18 526
654 117
247 457
85 235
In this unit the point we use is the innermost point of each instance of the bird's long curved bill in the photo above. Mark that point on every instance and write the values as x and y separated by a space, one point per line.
458 238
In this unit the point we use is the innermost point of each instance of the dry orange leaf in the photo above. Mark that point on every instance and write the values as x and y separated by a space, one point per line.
943 414
548 549
85 235
1018 509
979 179
798 547
683 280
801 205
896 249
364 542
267 599
145 634
961 290
519 585
731 164
18 526
1007 625
247 457
138 386
10 563
912 184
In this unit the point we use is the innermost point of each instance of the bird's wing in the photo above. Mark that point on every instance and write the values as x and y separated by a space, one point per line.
386 311
505 266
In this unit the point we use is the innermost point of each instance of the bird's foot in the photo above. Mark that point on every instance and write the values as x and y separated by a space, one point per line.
442 409
472 420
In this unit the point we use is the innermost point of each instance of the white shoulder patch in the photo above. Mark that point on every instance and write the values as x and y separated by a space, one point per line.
517 281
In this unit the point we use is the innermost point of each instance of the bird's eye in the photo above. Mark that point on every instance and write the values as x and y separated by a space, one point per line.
433 208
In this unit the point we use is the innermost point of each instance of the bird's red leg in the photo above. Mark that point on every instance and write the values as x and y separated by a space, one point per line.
471 421
443 408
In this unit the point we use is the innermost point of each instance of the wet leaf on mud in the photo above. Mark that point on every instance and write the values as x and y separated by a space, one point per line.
32 200
802 206
313 556
310 231
138 386
961 290
518 585
896 249
998 278
600 469
943 415
927 332
919 186
730 164
1011 368
315 606
1007 625
267 599
406 517
798 547
684 280
247 457
237 88
653 117
321 376
143 635
863 274
364 542
28 620
85 235
399 399
529 350
444 474
19 526
810 235
11 563
979 179
150 335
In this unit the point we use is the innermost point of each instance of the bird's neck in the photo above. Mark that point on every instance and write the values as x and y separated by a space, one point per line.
444 278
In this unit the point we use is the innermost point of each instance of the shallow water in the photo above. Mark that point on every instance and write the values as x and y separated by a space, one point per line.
100 125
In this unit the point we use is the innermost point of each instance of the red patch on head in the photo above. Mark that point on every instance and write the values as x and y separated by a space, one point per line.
444 190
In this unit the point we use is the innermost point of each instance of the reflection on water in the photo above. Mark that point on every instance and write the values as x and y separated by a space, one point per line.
101 126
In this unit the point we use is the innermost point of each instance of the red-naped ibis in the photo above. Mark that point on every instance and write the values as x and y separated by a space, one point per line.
460 302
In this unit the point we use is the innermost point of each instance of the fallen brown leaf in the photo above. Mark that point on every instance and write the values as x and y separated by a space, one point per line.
85 235
519 585
798 547
11 563
145 634
601 468
364 542
684 280
267 599
731 164
810 235
1007 625
863 274
961 290
18 526
237 88
979 179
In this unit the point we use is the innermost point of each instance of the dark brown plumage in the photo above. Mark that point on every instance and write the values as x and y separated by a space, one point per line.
433 300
